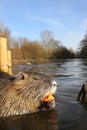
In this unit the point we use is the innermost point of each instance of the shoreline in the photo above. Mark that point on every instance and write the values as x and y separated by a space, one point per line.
29 61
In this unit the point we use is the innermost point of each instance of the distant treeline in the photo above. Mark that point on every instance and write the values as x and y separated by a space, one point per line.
24 49
47 48
83 47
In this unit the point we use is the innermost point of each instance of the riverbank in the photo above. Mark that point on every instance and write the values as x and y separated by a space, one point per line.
29 61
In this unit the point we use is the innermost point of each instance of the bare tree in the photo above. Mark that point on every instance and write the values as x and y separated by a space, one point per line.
83 47
46 36
54 44
5 32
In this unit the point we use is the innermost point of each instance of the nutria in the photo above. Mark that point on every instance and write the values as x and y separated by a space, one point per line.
25 93
82 96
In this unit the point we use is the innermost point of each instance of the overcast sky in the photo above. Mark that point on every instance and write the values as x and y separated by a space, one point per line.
67 19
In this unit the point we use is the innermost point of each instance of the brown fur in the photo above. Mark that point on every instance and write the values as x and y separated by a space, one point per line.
24 93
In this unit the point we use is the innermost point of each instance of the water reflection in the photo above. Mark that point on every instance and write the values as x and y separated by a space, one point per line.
40 121
85 106
84 67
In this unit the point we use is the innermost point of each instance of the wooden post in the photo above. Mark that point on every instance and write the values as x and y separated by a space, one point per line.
9 61
5 56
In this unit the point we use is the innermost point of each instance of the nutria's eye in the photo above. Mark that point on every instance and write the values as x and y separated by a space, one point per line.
37 77
54 83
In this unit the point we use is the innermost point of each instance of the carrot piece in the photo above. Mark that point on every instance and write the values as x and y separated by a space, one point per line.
49 97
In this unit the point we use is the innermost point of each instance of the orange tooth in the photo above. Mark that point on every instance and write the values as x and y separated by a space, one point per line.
49 97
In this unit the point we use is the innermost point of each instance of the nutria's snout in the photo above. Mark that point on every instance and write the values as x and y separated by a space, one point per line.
48 101
54 85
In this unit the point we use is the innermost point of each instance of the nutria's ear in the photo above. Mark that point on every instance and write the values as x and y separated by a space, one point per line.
22 76
20 81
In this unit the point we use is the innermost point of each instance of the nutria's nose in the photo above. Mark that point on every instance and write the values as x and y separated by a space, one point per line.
54 83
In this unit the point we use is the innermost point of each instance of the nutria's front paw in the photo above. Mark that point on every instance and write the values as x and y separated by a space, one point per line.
51 104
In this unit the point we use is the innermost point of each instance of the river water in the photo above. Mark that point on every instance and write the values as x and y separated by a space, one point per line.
68 114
